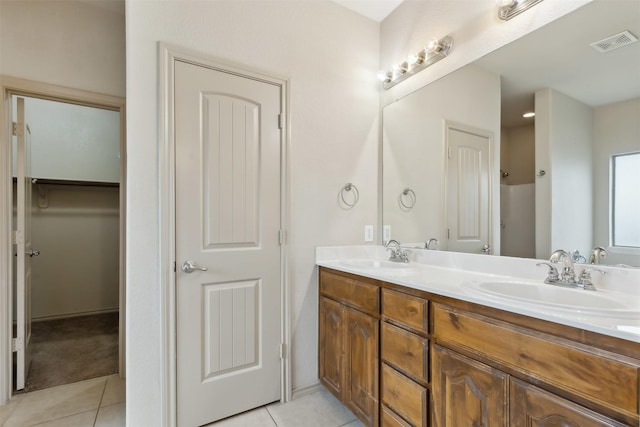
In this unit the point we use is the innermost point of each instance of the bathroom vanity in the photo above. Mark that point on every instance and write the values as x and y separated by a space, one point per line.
400 348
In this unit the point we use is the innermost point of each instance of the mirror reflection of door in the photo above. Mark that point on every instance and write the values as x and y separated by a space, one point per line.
467 189
75 228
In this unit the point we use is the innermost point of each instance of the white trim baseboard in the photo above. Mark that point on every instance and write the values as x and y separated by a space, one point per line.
72 315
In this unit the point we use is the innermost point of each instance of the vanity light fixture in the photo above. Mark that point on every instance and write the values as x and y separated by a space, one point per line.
510 8
434 52
529 114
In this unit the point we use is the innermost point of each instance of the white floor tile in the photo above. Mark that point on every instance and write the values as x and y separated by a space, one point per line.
319 409
112 416
115 392
84 419
256 418
57 402
8 408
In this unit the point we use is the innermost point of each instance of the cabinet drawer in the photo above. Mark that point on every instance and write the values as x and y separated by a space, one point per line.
389 418
586 372
404 396
355 293
406 310
407 352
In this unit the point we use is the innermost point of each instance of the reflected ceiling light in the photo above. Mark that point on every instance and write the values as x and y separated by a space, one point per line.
529 114
434 52
507 9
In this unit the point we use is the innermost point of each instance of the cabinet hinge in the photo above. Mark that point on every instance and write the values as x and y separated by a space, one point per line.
174 267
14 129
281 236
448 233
448 152
17 344
280 120
283 351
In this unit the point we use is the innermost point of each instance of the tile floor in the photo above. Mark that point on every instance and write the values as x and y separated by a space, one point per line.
100 402
316 409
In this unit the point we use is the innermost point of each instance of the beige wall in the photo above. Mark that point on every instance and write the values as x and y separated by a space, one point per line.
69 43
564 196
330 55
414 143
77 235
616 130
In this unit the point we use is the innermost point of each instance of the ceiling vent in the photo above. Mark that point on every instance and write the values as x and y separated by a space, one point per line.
614 42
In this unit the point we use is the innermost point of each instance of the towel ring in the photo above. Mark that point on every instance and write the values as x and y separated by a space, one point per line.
412 198
356 194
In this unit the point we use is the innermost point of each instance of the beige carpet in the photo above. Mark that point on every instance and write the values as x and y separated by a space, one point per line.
74 349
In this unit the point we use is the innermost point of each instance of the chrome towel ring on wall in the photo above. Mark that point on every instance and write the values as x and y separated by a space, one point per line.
348 188
407 198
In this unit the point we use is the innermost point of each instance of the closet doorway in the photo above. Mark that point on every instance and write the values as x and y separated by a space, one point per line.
68 314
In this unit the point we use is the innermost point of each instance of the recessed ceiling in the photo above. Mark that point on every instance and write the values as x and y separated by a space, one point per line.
372 9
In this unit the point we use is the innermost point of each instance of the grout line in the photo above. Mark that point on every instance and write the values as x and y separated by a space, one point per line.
95 420
271 416
58 419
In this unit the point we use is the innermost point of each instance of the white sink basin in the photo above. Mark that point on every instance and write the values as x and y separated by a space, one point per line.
376 264
596 303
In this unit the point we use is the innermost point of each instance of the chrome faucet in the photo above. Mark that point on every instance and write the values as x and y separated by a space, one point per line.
596 254
427 245
397 254
567 277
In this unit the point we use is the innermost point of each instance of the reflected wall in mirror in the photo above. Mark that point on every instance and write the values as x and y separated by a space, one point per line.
550 176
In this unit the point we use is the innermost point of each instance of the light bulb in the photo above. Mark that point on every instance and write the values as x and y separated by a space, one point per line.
402 68
434 46
382 76
412 59
506 3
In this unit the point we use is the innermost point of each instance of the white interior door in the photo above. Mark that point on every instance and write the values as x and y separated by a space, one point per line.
468 184
24 251
228 168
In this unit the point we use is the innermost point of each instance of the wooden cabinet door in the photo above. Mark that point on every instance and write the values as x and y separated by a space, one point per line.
533 407
466 392
361 385
331 331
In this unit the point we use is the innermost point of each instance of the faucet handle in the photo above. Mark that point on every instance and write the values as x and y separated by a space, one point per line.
584 281
552 275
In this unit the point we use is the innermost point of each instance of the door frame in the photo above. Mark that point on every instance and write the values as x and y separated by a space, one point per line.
451 125
21 87
168 54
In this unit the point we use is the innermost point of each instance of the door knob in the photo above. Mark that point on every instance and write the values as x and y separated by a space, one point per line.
191 266
486 249
33 252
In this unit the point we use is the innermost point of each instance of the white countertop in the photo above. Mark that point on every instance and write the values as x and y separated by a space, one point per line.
453 275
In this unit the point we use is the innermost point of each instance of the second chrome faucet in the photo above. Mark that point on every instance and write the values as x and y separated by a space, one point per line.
397 254
567 275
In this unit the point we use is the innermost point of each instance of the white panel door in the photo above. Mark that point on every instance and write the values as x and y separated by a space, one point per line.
24 251
468 186
227 220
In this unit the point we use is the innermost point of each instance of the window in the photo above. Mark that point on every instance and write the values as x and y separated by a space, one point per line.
625 200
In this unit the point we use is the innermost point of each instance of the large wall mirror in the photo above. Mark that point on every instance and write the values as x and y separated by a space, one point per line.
463 168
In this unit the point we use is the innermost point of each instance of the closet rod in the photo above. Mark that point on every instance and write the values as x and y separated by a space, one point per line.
46 181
